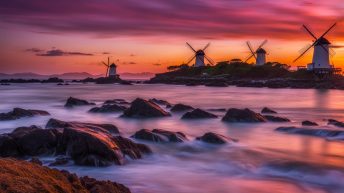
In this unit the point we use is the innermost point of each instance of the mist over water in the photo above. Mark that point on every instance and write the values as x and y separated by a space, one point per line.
262 161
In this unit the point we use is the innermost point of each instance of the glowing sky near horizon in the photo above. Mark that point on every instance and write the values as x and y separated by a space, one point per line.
46 36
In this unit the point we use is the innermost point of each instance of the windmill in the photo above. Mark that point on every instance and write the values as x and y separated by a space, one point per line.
111 69
259 54
321 51
200 55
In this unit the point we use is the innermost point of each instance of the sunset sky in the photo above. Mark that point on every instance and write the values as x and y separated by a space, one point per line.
45 36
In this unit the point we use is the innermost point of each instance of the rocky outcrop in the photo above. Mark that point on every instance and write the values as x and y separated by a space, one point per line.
266 110
160 102
214 138
22 176
312 132
198 114
276 118
243 115
160 136
181 107
18 113
309 123
108 108
141 108
336 123
72 102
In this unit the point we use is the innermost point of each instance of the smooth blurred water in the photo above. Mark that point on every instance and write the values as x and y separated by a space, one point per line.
246 166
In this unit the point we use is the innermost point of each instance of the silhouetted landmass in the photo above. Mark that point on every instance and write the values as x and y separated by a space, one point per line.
49 80
271 75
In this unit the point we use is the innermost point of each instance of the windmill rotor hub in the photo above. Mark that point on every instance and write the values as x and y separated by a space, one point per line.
261 50
322 41
200 52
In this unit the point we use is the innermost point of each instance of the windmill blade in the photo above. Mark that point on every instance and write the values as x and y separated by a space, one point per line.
109 61
252 52
304 52
304 48
193 57
262 44
310 32
209 60
332 52
329 29
191 47
205 47
105 64
249 58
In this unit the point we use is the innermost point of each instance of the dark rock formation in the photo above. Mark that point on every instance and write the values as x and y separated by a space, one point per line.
243 115
275 118
18 113
214 138
160 102
217 84
198 114
309 123
336 123
311 132
95 186
181 107
159 135
141 108
266 110
108 108
71 102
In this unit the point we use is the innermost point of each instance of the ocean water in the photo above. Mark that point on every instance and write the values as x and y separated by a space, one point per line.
262 161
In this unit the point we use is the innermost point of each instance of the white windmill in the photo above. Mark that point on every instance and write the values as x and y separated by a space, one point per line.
259 54
111 69
321 53
200 55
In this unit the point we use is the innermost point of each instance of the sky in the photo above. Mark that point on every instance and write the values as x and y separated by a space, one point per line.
48 37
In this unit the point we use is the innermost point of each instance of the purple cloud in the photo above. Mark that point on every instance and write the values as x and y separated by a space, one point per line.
56 52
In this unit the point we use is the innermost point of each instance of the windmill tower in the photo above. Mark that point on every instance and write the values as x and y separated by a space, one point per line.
199 56
321 53
259 54
111 70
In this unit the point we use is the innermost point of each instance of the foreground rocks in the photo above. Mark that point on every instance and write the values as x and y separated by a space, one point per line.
214 138
108 108
72 102
21 176
336 123
159 135
18 113
243 115
160 102
309 123
141 108
198 114
266 110
181 107
276 118
86 143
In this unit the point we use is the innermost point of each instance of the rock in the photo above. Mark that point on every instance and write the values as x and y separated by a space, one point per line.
54 123
35 160
18 113
133 150
181 107
8 146
71 102
159 135
198 114
110 108
312 132
335 123
22 176
61 160
217 84
243 115
266 110
276 119
309 123
214 138
159 102
141 108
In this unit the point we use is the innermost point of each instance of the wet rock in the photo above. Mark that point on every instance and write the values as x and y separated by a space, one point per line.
18 113
276 119
181 107
71 102
309 123
160 102
109 108
55 123
8 146
243 115
95 186
266 110
198 114
311 132
141 108
214 138
36 160
130 148
336 123
159 135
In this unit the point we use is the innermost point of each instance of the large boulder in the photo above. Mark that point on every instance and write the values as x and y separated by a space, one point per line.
95 186
8 146
160 102
159 135
267 110
309 123
71 102
108 108
214 138
198 114
325 133
18 113
336 123
141 108
243 115
276 118
181 107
